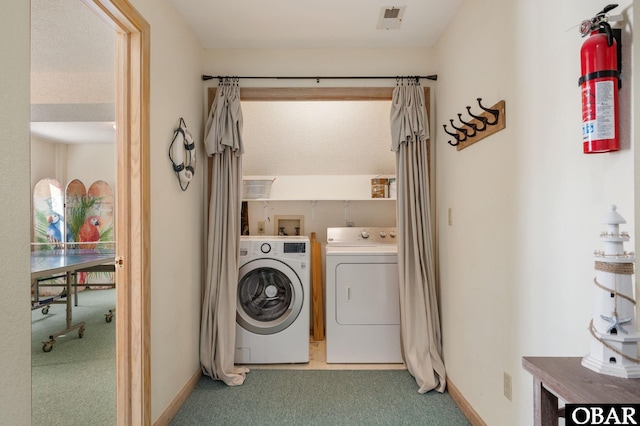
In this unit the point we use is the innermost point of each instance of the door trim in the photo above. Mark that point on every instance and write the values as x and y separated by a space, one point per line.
133 390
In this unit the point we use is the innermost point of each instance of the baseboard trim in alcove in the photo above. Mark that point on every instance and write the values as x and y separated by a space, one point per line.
179 400
464 405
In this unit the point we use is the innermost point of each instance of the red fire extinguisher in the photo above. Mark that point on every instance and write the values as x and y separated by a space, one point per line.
599 84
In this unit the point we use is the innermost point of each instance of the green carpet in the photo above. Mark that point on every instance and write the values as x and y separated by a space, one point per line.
75 383
318 397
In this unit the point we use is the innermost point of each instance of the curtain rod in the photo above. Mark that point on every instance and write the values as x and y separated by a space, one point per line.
318 78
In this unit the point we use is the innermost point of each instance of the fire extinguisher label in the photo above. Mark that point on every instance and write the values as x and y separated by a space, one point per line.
598 113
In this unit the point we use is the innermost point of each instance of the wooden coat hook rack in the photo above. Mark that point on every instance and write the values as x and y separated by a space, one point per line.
490 121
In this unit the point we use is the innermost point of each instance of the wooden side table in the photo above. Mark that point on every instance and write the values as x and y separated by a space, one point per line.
567 379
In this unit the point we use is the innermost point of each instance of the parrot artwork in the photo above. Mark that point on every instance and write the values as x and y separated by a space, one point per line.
54 230
54 234
89 232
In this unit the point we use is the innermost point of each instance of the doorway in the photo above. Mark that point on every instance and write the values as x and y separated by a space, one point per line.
132 208
133 402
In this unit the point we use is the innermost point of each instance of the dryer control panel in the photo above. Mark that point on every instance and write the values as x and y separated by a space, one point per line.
359 236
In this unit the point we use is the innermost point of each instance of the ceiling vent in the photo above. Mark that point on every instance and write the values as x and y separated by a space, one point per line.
390 18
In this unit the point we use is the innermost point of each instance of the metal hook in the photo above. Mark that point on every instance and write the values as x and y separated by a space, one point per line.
455 135
461 130
470 125
494 112
453 144
479 118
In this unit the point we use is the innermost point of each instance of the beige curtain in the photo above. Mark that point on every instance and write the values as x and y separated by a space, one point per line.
419 316
223 142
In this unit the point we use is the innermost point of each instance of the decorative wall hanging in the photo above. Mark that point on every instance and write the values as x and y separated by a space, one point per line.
182 154
478 127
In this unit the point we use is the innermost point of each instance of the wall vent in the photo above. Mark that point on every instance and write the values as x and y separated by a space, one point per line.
391 13
390 18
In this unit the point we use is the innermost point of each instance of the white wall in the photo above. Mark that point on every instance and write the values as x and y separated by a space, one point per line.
43 160
92 162
176 216
317 62
64 162
516 265
15 318
317 138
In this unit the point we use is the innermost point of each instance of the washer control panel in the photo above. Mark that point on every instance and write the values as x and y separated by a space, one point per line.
273 246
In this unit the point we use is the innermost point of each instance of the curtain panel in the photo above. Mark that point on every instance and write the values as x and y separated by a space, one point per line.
420 331
223 142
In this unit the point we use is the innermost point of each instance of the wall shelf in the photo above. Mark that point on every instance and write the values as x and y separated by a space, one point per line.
320 188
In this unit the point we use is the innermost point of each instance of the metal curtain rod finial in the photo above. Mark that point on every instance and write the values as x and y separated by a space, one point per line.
433 77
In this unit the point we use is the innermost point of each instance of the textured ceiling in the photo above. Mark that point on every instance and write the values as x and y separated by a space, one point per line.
72 73
72 50
67 37
313 24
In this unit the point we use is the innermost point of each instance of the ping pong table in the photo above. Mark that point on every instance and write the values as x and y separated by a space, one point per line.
66 263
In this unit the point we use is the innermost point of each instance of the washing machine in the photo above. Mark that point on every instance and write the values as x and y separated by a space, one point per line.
362 296
272 312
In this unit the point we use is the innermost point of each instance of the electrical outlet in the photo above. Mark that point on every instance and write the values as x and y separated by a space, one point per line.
450 217
261 227
507 385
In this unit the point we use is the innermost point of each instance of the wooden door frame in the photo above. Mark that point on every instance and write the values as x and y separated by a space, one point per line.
133 390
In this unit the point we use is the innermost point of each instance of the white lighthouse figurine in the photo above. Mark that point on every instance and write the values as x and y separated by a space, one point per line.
614 338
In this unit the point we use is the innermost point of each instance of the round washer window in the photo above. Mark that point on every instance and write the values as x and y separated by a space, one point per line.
269 296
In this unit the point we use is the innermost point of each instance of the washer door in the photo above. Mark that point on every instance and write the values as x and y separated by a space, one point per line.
270 296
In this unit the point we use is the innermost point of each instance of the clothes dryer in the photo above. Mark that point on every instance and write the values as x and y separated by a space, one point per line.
272 312
362 296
